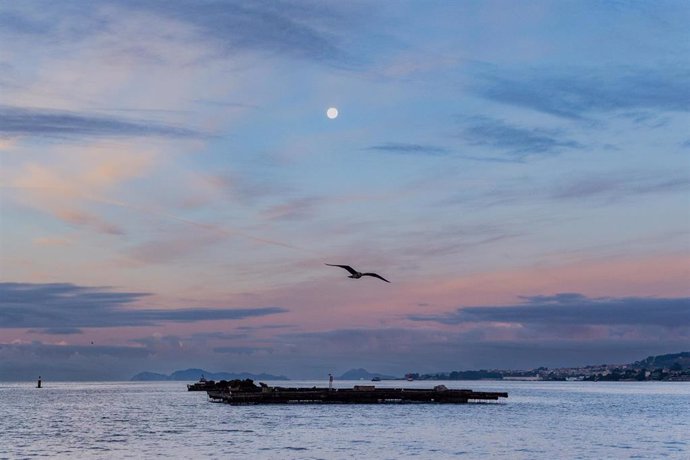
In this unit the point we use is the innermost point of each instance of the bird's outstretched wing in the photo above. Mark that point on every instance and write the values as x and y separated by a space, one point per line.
376 276
346 267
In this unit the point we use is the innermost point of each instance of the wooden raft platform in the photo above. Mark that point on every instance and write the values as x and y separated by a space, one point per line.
366 394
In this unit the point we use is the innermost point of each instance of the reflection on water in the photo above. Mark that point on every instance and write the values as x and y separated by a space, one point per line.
538 420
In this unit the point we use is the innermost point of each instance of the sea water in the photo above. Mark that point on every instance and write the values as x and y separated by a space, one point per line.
546 420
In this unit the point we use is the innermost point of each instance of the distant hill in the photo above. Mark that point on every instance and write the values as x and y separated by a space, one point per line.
363 374
149 376
195 374
670 367
679 360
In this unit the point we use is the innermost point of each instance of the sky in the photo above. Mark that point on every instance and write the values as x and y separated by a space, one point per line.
171 187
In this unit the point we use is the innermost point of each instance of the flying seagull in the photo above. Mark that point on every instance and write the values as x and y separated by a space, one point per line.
357 275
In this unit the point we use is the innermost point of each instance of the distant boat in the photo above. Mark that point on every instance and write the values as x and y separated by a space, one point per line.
376 379
201 385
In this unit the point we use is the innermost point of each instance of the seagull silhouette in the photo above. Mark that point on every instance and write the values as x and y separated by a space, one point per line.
357 275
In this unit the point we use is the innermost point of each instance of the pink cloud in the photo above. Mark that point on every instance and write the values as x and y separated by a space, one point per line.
86 219
53 241
72 179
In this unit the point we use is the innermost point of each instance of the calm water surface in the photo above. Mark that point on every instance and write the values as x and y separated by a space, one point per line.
538 420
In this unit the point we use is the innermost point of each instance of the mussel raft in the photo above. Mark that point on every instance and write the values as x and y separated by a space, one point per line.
246 392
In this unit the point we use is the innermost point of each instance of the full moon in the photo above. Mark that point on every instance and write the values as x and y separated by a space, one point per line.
332 113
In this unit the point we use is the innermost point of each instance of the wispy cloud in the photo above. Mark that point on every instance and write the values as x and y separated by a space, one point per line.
86 219
17 23
197 342
50 20
172 246
66 184
300 30
358 340
454 239
515 140
204 336
240 350
612 186
266 327
410 149
592 188
21 121
57 331
51 351
574 309
312 31
299 208
578 92
65 305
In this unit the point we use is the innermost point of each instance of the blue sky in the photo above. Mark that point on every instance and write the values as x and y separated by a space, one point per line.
172 187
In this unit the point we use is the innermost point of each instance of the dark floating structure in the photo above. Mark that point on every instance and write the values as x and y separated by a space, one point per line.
202 385
246 392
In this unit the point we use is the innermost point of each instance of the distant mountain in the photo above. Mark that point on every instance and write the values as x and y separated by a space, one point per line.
363 374
195 374
677 360
149 376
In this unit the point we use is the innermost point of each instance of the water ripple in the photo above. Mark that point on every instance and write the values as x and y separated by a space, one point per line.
540 420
